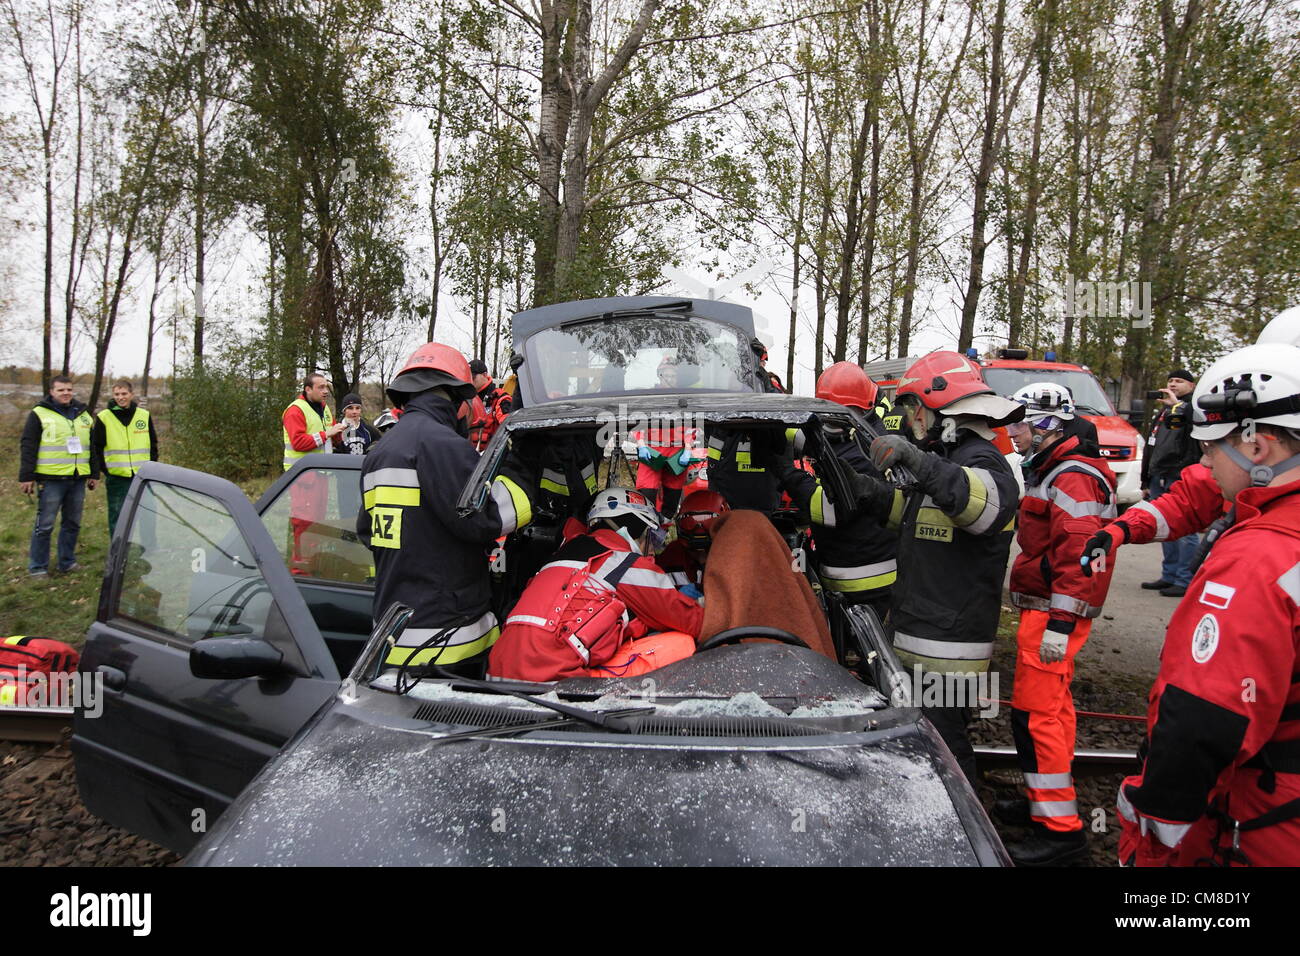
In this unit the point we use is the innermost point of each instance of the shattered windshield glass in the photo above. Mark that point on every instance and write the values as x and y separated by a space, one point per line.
637 353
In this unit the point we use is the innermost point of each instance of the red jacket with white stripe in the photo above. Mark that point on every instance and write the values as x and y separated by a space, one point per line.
527 651
1191 505
1067 499
1223 718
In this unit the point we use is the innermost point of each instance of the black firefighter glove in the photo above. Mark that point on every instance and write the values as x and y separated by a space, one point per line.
1100 547
874 497
889 451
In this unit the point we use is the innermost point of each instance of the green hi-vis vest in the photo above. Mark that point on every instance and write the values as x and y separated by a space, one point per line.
59 455
314 424
126 447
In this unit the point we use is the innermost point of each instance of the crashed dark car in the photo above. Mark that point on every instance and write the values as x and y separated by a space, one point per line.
248 718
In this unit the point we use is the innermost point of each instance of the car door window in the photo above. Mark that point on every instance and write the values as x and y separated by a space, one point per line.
190 574
313 524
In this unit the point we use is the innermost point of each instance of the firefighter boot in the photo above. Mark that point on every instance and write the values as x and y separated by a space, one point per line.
1049 847
1012 811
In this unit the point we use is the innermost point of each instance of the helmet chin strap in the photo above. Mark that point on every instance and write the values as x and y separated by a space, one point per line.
1260 475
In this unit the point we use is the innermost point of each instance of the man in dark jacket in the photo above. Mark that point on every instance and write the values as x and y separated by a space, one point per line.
426 555
1170 449
56 458
857 556
122 440
955 520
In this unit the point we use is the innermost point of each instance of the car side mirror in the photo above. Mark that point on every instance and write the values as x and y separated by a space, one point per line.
224 658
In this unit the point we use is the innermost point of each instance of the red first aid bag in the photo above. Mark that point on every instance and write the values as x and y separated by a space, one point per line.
584 628
26 661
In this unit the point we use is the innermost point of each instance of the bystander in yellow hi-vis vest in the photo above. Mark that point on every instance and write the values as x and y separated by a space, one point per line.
315 423
65 444
127 447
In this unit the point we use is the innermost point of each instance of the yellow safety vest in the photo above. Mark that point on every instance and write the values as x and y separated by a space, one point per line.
314 424
54 458
126 447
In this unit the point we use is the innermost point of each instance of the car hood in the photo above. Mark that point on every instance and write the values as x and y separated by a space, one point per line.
1113 430
356 792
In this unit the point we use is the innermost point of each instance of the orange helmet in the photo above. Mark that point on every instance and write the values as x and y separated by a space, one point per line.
431 365
698 511
941 378
441 357
847 384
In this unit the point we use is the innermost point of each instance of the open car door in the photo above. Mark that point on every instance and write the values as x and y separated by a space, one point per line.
192 569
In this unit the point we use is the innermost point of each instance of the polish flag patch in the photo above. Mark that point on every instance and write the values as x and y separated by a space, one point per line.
1217 595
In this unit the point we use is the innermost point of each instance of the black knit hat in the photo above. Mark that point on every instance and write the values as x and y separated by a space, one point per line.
1183 374
478 367
351 398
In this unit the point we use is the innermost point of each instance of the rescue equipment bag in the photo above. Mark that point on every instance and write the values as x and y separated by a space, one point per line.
26 661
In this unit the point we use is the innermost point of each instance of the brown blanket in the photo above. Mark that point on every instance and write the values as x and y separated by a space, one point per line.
749 580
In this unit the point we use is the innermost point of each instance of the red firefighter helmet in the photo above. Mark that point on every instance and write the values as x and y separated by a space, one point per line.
431 365
847 384
952 383
941 378
442 358
698 511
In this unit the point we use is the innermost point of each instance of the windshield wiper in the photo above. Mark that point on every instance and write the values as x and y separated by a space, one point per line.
604 719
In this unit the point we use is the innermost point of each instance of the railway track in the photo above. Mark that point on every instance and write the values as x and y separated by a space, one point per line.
34 724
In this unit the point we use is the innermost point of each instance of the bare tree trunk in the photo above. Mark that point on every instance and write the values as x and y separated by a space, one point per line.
200 193
873 187
70 288
552 134
1154 237
798 231
852 233
1016 299
819 276
988 154
153 323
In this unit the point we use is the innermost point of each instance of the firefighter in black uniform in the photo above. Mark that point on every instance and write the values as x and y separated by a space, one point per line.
856 554
426 555
956 523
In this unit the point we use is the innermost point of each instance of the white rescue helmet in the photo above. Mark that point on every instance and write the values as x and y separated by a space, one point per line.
1284 329
617 502
1047 404
1259 383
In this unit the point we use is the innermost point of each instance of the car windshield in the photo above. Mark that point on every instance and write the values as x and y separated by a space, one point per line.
1085 389
637 353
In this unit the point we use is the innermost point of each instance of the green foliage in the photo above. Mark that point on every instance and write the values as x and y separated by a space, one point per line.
226 416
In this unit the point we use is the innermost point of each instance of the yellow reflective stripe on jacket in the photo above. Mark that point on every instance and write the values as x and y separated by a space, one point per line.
554 482
315 423
513 505
52 455
867 577
896 508
983 503
391 495
821 509
126 448
461 644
